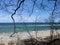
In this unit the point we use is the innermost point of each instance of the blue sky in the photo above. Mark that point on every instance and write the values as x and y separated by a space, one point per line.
41 14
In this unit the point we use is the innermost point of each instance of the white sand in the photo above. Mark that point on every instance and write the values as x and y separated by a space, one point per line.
4 37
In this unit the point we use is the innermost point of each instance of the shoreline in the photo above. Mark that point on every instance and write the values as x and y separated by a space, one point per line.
5 37
41 33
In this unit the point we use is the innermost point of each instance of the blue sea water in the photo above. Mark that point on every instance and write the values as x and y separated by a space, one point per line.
20 27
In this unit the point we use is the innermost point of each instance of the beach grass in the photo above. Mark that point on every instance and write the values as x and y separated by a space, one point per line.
2 44
11 43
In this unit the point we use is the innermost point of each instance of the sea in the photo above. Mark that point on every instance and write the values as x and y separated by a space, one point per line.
22 27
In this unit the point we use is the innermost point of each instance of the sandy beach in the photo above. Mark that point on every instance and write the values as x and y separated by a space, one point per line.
5 37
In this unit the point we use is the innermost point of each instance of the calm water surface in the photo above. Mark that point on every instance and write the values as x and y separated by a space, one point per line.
20 27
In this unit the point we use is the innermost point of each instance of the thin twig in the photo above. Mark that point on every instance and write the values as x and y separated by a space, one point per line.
52 20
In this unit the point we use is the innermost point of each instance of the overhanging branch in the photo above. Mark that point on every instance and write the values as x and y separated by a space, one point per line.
20 2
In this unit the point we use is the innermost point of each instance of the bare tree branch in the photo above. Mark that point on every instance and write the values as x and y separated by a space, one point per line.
52 20
14 14
32 7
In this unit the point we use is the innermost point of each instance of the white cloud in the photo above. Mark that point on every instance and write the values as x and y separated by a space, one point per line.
7 18
4 18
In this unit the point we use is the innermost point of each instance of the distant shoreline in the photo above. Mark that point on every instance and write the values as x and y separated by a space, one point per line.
31 22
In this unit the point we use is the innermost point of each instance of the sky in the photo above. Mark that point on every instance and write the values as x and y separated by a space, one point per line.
39 14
